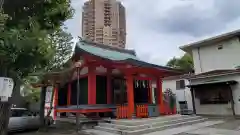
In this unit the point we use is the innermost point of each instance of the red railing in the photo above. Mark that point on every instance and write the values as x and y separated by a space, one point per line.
122 112
142 111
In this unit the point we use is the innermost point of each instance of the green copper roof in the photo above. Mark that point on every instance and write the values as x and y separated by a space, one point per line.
105 53
114 54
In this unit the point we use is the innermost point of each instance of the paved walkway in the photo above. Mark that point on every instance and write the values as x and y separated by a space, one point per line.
210 127
185 129
213 131
226 127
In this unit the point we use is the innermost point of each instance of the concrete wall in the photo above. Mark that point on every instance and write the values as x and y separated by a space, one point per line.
181 95
207 58
219 109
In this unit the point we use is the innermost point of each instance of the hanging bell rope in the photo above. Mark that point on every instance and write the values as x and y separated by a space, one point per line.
144 84
137 84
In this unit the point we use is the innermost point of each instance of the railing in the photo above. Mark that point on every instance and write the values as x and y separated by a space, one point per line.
122 111
142 111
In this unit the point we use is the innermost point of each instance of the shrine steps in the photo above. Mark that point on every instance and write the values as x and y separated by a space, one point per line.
143 126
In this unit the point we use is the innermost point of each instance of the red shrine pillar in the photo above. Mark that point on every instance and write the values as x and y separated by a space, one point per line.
55 90
69 94
130 94
109 87
91 85
160 95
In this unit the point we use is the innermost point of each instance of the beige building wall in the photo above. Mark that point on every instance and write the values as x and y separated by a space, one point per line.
104 22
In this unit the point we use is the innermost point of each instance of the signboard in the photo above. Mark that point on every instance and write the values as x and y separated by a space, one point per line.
49 94
6 88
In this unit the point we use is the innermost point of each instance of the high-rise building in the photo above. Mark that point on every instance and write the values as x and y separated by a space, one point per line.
103 21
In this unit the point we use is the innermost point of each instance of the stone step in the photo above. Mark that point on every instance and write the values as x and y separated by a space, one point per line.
148 125
98 132
135 122
186 128
150 129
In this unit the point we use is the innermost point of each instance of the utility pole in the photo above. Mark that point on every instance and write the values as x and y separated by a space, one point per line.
78 92
78 67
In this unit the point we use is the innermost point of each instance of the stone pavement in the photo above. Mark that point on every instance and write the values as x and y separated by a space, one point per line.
185 129
210 127
214 131
227 127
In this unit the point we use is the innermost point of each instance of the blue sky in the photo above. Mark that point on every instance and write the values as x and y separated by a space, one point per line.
156 28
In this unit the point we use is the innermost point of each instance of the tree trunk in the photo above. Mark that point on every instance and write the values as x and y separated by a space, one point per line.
42 107
5 107
4 117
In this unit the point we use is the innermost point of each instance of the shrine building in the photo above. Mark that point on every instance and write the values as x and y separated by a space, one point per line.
107 80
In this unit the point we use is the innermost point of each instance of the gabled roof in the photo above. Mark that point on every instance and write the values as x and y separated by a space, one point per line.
210 41
178 77
116 54
216 73
105 51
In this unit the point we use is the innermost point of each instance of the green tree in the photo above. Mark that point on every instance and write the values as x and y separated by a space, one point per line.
31 40
50 14
31 94
184 63
62 44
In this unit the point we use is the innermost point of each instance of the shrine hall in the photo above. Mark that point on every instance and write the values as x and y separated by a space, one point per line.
107 80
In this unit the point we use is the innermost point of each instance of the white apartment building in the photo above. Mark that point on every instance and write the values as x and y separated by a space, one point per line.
215 85
183 94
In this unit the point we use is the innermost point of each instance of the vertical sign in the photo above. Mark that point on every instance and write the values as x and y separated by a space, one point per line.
49 94
6 88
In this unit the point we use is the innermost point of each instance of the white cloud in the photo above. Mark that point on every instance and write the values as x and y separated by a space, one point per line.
151 23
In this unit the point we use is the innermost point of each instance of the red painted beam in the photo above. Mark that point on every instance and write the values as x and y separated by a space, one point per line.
85 110
123 65
109 87
142 78
130 95
160 95
91 85
69 94
55 90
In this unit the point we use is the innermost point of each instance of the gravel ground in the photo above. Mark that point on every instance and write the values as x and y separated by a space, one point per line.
58 129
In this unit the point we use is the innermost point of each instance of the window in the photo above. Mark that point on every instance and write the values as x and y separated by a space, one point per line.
180 84
19 113
213 94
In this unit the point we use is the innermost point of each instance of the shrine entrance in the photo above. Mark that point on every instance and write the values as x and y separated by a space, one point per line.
119 90
141 91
